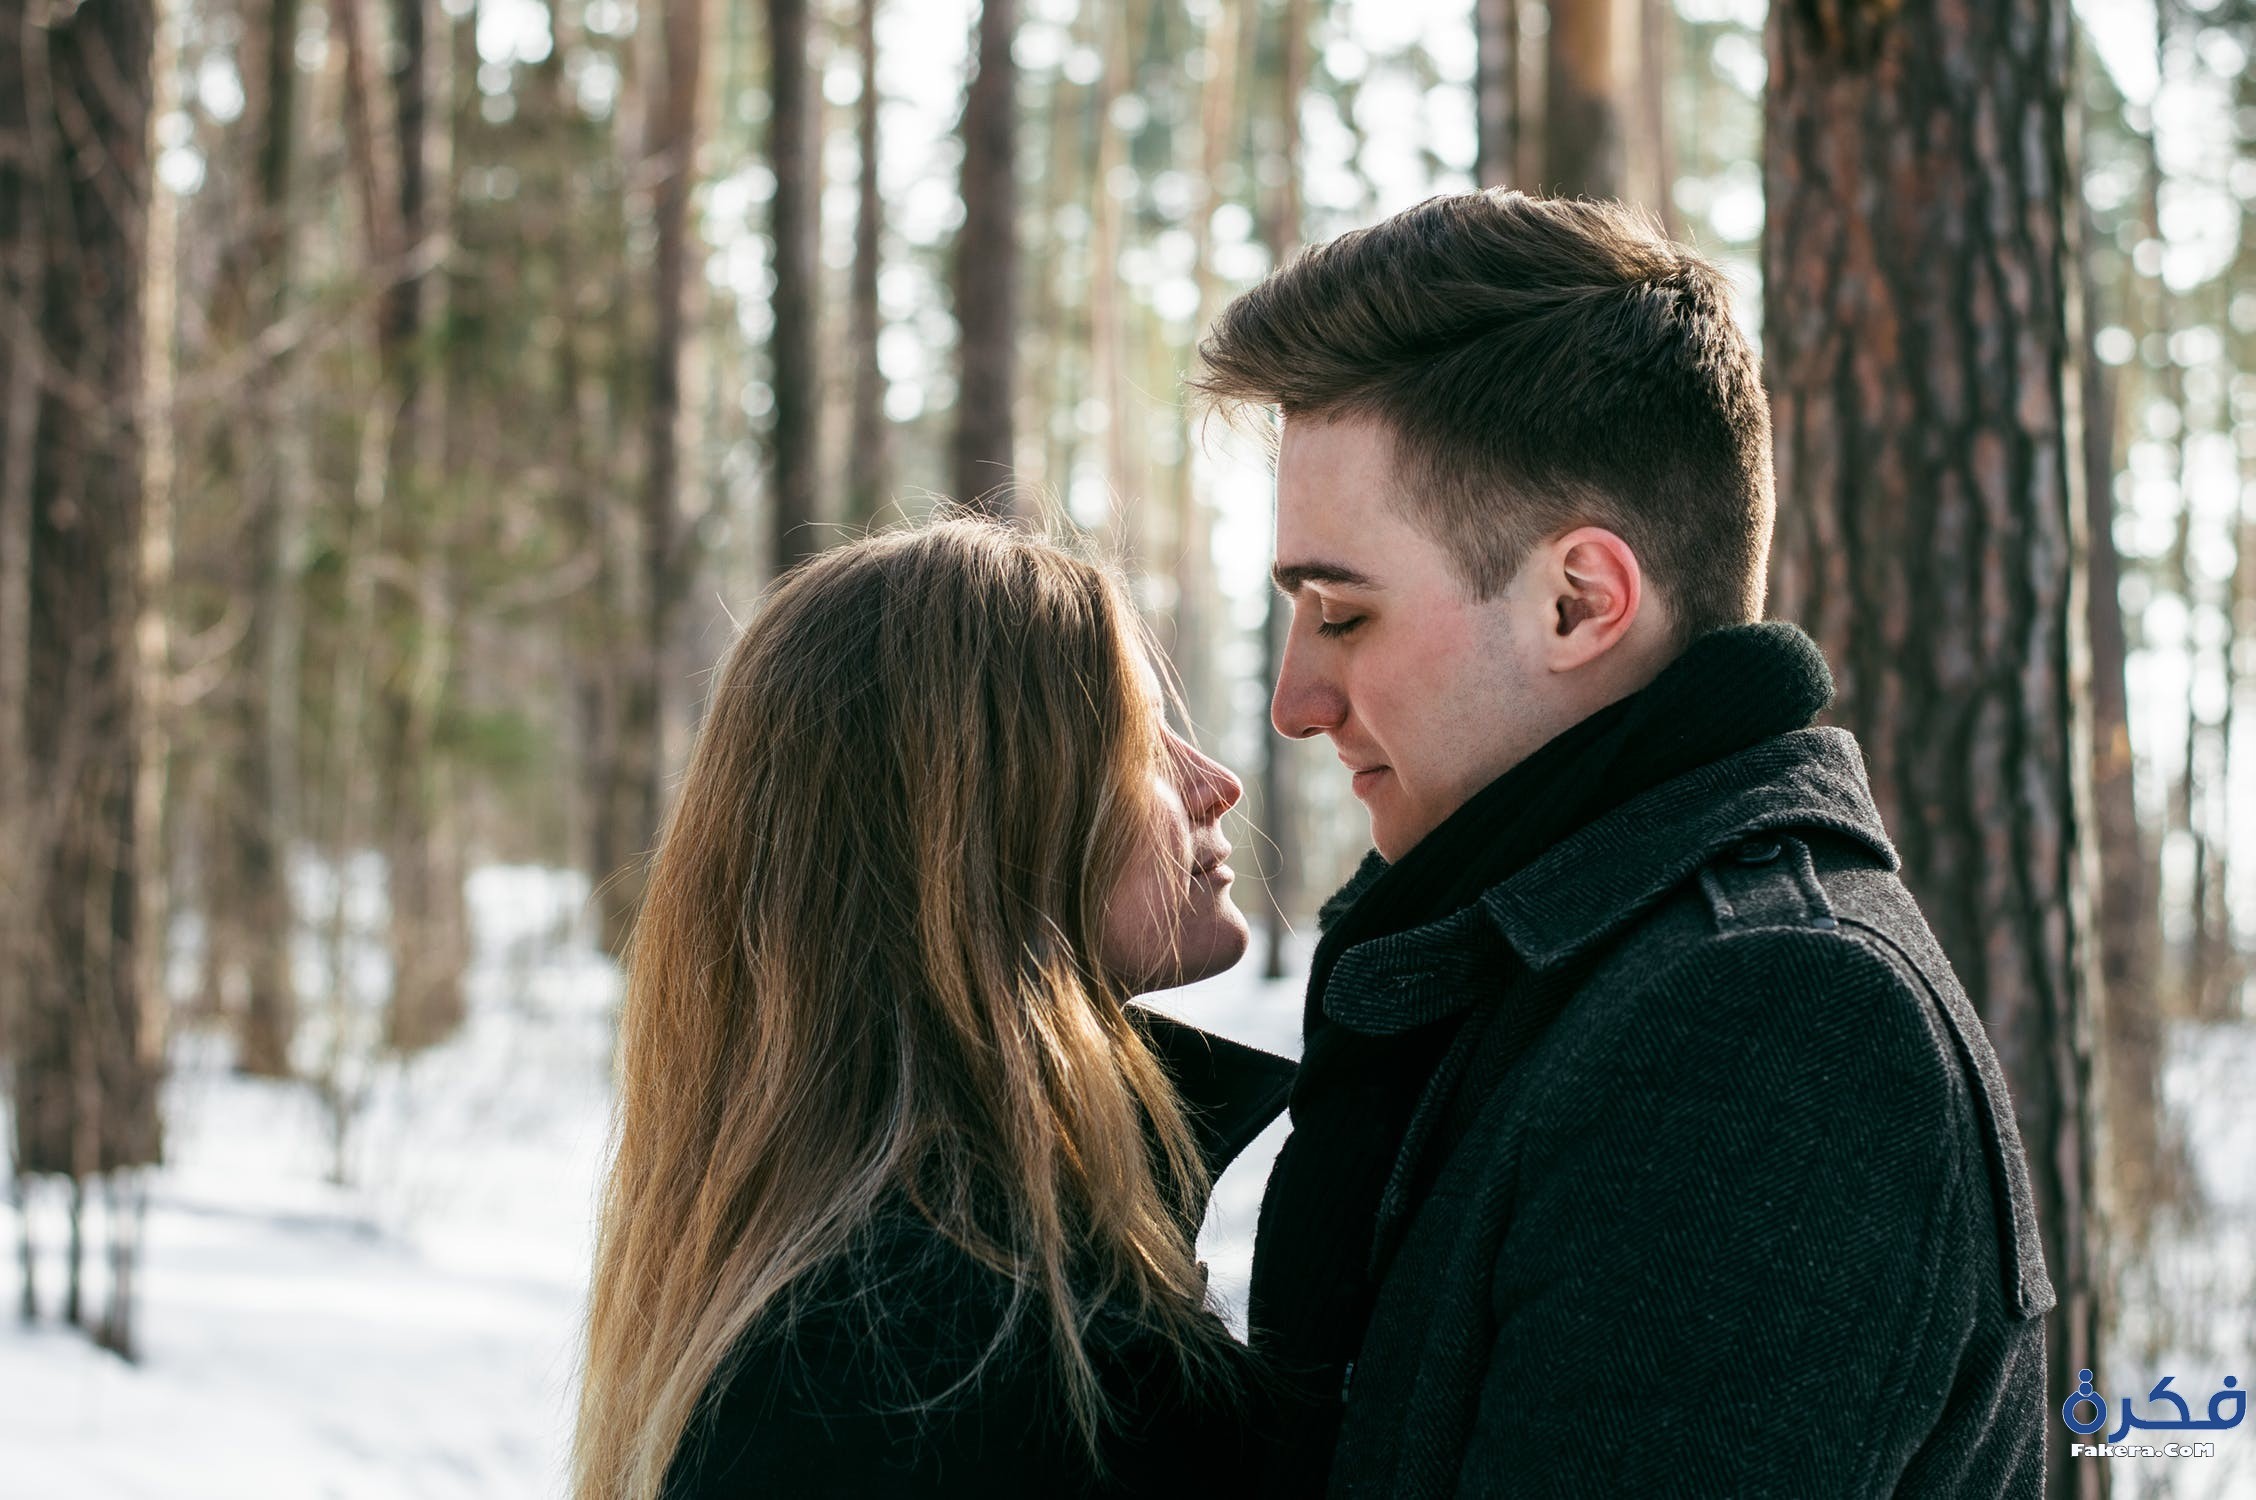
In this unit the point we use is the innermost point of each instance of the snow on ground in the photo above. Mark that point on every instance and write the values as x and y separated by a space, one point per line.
410 1337
2190 1302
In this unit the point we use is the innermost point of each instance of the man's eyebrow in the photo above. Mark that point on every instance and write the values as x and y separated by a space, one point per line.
1289 579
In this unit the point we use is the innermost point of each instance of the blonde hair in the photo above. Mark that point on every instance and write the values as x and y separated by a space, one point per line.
864 966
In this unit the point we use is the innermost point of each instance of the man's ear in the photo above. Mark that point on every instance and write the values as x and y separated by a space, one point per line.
1596 589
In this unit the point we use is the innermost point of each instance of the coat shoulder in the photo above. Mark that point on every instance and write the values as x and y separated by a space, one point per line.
1772 929
1806 942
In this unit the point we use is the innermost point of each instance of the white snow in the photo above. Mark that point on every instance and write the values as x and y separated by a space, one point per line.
413 1336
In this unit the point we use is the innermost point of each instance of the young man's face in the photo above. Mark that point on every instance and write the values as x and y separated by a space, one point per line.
1427 693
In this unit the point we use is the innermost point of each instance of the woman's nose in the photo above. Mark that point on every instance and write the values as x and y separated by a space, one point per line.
1209 788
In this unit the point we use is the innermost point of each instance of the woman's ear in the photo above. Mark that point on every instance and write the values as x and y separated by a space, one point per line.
1596 590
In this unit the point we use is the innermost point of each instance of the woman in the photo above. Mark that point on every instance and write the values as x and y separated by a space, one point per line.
904 1193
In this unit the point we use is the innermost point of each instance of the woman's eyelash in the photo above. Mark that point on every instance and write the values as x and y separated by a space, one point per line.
1337 628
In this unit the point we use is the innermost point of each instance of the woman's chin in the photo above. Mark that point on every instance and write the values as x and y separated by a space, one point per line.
1223 941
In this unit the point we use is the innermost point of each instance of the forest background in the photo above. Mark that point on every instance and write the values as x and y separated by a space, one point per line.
402 400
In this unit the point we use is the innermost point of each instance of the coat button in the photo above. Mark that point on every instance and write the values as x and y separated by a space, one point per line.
1756 852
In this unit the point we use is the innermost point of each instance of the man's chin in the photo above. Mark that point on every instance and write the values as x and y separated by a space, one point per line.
1381 840
1394 833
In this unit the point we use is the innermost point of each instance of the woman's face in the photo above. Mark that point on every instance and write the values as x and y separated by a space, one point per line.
1170 920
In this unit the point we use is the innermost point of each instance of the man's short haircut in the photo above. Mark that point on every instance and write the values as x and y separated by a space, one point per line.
1543 364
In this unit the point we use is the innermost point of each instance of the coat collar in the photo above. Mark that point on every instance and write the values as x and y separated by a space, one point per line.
1600 878
1229 1091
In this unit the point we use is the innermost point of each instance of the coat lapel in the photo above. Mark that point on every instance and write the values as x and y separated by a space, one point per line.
1230 1092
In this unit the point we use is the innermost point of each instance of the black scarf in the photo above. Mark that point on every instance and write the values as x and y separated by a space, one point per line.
1354 1095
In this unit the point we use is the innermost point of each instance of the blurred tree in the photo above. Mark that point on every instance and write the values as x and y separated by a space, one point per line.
1496 92
2125 898
1111 30
1280 810
2123 904
985 273
794 223
1918 362
429 940
430 927
1653 162
1198 610
868 455
2205 971
249 911
1582 129
2236 38
85 1034
670 159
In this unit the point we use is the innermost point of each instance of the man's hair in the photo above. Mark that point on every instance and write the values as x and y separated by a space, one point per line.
1542 364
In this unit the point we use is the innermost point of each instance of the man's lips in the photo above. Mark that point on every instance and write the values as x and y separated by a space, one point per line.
1366 777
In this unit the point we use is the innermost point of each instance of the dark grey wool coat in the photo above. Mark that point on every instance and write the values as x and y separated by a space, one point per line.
1718 1191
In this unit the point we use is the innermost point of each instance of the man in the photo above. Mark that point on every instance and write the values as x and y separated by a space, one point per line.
1643 1142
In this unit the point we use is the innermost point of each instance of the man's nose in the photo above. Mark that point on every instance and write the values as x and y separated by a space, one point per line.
1304 702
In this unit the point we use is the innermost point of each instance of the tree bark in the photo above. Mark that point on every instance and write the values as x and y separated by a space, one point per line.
1198 605
262 800
2124 903
23 291
1582 130
868 453
986 271
1917 268
798 191
1656 148
75 203
671 138
429 927
1108 342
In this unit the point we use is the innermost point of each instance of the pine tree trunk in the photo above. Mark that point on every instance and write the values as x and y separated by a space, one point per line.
986 271
2124 903
655 597
75 202
1108 343
588 426
23 280
429 928
1655 157
1582 129
1496 91
1279 790
868 452
1198 606
798 190
1917 268
263 798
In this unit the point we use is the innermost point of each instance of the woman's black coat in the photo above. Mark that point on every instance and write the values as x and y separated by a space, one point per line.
832 1410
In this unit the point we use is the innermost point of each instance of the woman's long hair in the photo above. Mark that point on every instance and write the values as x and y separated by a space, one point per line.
864 967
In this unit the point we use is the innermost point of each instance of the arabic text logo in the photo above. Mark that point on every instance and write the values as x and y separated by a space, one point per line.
2084 1396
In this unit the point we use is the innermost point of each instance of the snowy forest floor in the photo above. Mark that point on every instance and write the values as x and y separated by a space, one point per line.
413 1334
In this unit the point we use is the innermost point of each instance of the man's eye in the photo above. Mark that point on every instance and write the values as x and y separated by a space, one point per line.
1337 628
